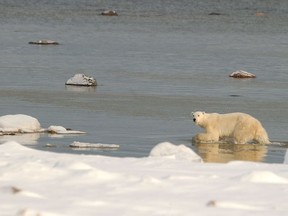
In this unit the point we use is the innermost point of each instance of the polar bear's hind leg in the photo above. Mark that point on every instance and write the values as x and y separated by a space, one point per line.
241 140
261 136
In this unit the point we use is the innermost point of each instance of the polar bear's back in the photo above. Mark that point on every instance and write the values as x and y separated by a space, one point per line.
226 123
239 116
231 116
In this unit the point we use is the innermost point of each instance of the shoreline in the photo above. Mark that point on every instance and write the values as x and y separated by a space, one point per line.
37 182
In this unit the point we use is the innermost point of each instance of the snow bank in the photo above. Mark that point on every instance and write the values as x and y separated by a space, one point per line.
180 152
109 13
49 184
264 177
19 123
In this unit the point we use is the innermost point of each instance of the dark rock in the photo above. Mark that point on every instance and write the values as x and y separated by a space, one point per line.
215 14
109 13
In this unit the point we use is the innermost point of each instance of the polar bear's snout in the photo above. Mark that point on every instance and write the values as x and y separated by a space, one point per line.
196 116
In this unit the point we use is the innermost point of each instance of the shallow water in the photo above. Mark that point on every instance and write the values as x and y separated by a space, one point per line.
154 63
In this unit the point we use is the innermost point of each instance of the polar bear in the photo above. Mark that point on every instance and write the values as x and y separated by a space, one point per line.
241 127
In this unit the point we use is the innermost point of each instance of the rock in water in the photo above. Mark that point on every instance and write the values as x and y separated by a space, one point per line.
214 14
54 129
19 123
109 13
82 80
242 74
44 42
260 14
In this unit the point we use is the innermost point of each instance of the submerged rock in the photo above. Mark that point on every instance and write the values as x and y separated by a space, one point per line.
109 13
260 14
242 74
81 80
214 14
44 42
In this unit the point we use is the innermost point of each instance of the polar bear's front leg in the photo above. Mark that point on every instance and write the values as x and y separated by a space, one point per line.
206 137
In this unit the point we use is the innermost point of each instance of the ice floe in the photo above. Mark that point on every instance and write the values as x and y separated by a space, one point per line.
62 130
76 144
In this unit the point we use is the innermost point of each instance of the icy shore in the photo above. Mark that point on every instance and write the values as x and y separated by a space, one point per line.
36 182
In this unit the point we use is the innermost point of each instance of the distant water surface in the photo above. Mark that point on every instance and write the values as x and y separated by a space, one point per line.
154 63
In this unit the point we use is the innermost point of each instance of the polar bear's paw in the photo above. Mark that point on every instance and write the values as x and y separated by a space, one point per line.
205 138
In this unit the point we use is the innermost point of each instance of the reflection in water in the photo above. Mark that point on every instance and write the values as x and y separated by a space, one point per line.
286 157
80 88
222 153
22 138
55 135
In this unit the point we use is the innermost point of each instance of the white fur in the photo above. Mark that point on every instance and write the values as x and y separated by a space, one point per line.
241 127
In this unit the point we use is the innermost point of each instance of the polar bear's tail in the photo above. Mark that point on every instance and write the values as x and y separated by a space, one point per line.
261 136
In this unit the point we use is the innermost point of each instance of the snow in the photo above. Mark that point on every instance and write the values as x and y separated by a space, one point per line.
76 144
34 182
242 74
81 80
264 177
180 152
23 124
109 13
19 123
62 130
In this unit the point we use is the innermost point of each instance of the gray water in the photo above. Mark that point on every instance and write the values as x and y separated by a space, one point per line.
154 63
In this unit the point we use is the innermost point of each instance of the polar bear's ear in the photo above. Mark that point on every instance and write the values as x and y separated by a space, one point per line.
203 112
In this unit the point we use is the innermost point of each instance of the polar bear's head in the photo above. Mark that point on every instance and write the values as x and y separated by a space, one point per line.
198 117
